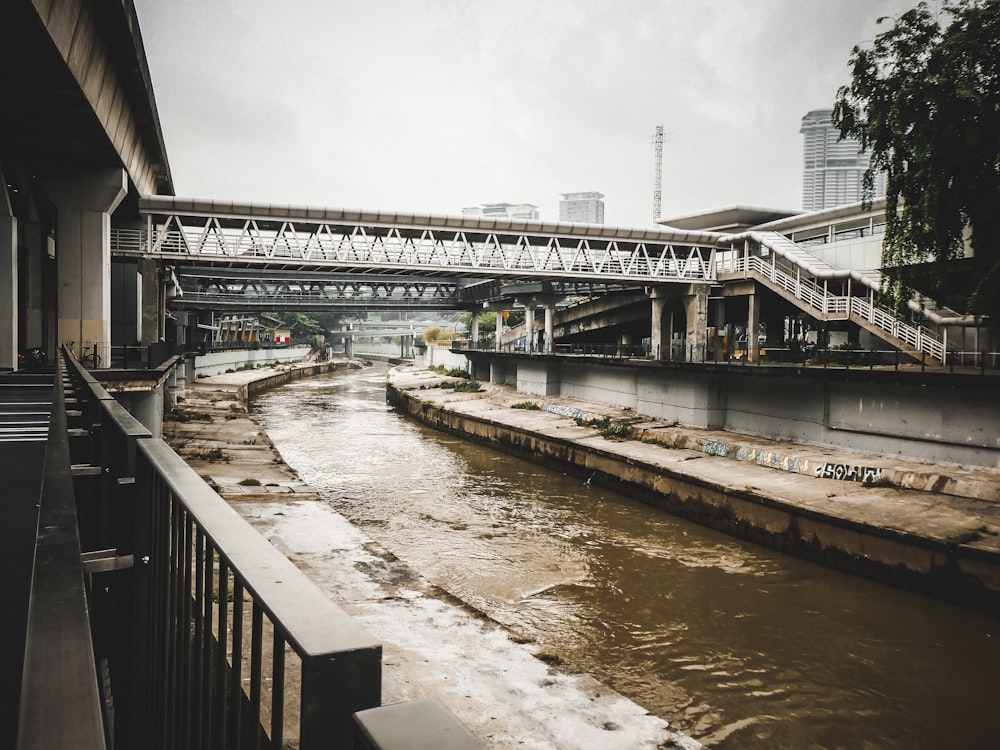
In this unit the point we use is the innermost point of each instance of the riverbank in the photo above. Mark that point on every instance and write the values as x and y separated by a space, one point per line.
504 688
930 529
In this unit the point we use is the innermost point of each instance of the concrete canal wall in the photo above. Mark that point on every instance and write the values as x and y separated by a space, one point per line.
909 414
864 545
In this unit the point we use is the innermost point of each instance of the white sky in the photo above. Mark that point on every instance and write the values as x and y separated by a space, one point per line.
432 105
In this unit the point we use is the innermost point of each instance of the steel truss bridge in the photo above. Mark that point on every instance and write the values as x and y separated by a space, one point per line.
250 289
286 238
260 255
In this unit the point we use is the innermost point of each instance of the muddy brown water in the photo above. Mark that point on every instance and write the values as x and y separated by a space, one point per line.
737 645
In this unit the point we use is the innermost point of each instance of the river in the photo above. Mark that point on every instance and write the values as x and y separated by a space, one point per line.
736 645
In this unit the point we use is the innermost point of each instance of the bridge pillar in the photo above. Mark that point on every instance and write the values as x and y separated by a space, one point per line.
8 286
753 327
529 329
84 202
659 345
499 331
696 308
474 329
550 317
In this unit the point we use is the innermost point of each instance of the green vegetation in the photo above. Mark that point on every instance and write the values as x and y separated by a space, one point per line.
454 372
468 386
925 100
250 482
526 405
608 428
177 414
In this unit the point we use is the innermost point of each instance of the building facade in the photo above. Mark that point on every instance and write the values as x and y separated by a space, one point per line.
585 208
833 170
502 211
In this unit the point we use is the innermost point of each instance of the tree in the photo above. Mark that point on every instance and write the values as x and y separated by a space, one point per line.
925 101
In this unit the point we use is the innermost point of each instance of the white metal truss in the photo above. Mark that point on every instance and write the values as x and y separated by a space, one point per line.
240 289
336 240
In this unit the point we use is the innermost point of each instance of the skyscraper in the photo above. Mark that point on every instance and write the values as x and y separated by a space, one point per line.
586 208
833 170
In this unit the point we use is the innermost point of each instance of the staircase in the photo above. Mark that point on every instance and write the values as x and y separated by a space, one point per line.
797 282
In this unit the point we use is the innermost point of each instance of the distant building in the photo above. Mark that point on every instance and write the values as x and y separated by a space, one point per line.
586 208
833 170
502 211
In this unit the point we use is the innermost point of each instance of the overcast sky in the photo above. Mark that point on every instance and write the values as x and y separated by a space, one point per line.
433 105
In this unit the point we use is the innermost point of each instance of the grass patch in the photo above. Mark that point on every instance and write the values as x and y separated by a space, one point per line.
209 454
607 427
526 405
250 482
177 414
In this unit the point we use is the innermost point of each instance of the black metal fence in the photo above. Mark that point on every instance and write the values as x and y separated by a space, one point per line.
200 634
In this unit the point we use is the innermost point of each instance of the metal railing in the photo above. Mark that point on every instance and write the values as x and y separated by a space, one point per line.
60 695
204 635
924 341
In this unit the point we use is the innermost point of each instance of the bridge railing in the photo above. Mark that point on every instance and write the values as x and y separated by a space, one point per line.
61 704
924 341
205 634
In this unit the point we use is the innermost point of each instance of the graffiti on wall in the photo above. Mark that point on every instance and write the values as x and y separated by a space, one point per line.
849 472
566 411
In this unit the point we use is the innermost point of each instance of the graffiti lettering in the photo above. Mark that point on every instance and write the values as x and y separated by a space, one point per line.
566 411
716 448
849 472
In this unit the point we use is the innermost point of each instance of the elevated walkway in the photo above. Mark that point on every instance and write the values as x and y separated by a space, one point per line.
25 405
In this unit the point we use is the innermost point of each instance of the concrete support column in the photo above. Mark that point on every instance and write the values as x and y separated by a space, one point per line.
499 331
151 304
529 329
696 308
474 329
659 345
550 317
84 202
8 288
753 326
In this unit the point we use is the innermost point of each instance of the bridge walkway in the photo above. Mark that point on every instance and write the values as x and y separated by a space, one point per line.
25 404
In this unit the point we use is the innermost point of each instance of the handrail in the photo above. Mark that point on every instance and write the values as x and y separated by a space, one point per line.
191 643
60 674
925 341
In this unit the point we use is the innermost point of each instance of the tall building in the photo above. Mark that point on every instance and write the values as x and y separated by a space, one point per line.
503 211
833 170
586 208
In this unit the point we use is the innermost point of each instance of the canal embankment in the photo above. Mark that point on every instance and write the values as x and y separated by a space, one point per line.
932 529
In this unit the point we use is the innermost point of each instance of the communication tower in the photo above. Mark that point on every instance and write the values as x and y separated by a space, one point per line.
658 170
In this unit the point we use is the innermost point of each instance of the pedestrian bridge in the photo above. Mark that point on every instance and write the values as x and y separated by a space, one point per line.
267 237
242 255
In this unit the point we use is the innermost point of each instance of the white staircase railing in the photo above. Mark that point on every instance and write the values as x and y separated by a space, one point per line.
923 340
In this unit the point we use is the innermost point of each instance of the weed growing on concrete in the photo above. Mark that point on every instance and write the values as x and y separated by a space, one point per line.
526 405
468 386
177 414
250 482
608 428
965 537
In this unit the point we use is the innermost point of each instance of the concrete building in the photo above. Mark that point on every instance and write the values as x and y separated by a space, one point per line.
833 170
502 211
584 208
